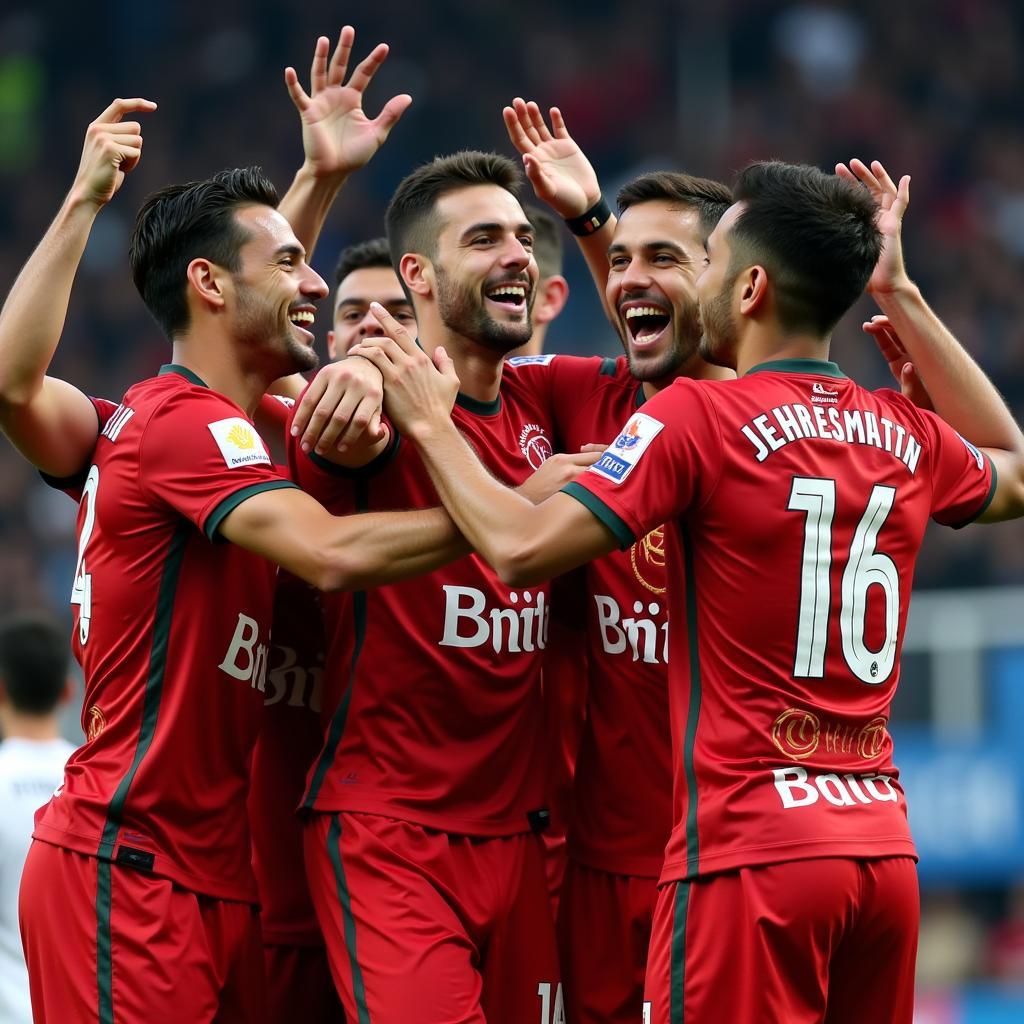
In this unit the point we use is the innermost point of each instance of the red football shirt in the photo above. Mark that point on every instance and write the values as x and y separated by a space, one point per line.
621 811
796 502
440 722
171 632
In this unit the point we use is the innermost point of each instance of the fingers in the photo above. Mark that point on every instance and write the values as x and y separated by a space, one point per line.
393 110
558 124
585 459
445 365
295 90
526 121
367 68
902 195
599 448
120 107
318 69
393 329
516 133
537 121
335 421
339 62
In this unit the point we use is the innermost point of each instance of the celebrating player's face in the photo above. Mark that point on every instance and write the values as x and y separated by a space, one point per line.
485 272
353 320
654 259
277 292
720 337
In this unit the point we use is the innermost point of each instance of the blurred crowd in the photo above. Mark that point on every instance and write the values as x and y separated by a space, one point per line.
934 88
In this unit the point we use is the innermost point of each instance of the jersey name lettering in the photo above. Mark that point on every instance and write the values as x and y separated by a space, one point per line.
787 423
848 791
645 638
469 623
246 660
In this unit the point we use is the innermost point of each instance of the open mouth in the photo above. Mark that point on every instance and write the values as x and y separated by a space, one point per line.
510 297
303 320
646 324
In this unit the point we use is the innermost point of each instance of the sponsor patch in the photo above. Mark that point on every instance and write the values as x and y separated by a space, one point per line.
239 443
531 360
287 402
978 457
625 451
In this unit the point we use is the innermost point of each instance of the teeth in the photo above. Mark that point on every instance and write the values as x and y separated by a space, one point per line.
644 311
513 291
301 317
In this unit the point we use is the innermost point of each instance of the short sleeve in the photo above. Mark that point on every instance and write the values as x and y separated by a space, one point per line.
963 478
72 485
203 458
665 461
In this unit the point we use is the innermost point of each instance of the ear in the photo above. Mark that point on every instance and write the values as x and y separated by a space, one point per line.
417 273
208 282
331 354
554 294
753 290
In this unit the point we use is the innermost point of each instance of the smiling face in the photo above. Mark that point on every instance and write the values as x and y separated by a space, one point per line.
720 339
653 262
276 292
484 272
353 320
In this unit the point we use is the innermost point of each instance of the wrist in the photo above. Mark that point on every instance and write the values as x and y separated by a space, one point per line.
899 289
590 220
428 432
313 174
82 202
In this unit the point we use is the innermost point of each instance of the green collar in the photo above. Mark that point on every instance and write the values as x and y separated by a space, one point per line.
817 367
183 371
476 407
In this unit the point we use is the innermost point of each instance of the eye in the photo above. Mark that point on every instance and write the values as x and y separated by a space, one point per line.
352 316
618 262
482 240
526 241
404 318
662 258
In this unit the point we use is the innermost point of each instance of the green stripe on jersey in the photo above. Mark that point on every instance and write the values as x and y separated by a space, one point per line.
608 367
677 955
693 711
592 503
104 956
340 717
348 921
154 683
232 501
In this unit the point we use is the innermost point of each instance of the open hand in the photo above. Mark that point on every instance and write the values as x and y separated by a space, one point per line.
337 136
560 174
112 149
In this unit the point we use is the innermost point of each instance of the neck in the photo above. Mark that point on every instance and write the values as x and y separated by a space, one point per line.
695 368
478 367
17 725
220 369
765 346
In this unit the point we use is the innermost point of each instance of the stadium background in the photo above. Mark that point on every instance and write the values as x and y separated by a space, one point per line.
934 88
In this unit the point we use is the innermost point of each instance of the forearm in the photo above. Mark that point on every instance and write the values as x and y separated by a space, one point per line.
960 391
32 318
594 249
306 204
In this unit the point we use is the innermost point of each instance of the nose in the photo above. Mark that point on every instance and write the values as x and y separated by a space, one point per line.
314 285
635 278
369 326
515 255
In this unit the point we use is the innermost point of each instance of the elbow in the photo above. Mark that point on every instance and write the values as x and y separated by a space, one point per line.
336 571
521 564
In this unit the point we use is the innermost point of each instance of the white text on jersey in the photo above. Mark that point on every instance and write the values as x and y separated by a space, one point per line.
468 622
797 422
246 659
846 791
637 633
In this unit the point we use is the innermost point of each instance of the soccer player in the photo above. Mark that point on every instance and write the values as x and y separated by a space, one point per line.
171 630
33 685
795 503
423 859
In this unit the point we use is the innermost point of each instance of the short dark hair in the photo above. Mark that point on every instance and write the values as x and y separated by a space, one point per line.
180 223
548 249
372 253
813 232
709 198
33 663
412 225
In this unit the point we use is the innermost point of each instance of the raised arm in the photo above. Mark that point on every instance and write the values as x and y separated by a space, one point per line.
50 422
562 177
337 136
960 391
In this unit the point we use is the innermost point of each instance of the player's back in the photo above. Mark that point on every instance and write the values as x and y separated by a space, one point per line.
171 632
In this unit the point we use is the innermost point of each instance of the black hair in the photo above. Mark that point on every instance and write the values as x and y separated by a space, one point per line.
33 663
709 198
371 253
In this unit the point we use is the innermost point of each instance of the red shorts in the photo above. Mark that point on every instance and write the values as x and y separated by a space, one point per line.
604 929
105 942
299 986
828 941
429 927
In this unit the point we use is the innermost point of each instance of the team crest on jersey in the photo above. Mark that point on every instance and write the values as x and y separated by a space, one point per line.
798 734
647 557
534 443
628 448
978 457
239 443
95 722
823 395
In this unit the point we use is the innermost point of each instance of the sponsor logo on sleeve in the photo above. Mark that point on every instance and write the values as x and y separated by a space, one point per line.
239 443
978 457
531 360
628 448
287 402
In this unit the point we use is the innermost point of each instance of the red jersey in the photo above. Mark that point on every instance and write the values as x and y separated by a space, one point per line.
796 502
171 632
621 811
440 723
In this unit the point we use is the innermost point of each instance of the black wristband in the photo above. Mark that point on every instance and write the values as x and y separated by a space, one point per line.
593 220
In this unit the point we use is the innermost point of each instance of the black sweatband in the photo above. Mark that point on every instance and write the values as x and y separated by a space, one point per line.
593 220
